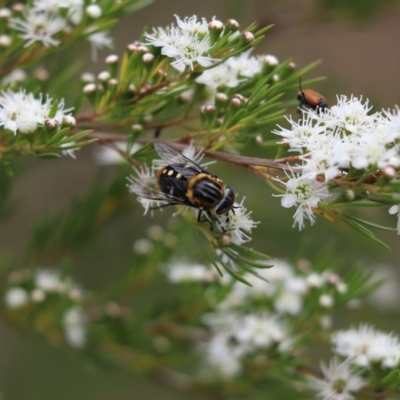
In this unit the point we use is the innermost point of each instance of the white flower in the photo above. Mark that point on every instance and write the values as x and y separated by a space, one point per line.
237 224
232 72
192 25
14 77
259 331
145 186
221 357
178 272
39 26
315 280
365 345
387 295
69 152
220 76
349 114
20 111
396 210
48 280
99 40
16 297
288 303
190 153
75 327
73 8
183 43
142 246
301 133
304 193
189 50
339 381
343 137
245 65
105 155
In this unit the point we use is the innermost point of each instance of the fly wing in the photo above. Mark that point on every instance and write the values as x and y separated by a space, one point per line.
148 188
171 157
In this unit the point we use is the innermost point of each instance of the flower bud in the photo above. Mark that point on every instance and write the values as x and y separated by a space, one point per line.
389 172
148 58
5 40
94 11
235 102
37 295
51 123
215 28
17 7
270 60
112 82
208 109
232 25
221 97
248 36
350 195
41 74
16 297
326 301
112 59
137 127
87 77
5 13
69 121
112 62
104 76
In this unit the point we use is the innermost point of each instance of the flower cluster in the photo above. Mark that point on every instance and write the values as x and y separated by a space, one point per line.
340 381
236 336
236 70
48 287
366 352
346 136
21 112
305 194
180 271
367 347
285 290
188 43
282 292
337 143
46 21
236 225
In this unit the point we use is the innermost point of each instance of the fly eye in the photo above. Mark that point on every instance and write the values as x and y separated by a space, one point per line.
226 203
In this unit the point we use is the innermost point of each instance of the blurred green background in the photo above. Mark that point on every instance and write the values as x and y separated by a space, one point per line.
357 44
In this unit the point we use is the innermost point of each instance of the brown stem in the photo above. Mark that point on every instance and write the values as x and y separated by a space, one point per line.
247 162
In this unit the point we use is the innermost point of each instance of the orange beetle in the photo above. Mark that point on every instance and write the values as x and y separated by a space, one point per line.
310 99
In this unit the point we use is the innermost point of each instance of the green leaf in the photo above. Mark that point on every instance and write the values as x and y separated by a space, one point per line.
48 155
77 145
57 137
358 203
233 273
53 110
251 255
392 378
371 224
76 137
236 118
138 5
366 232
